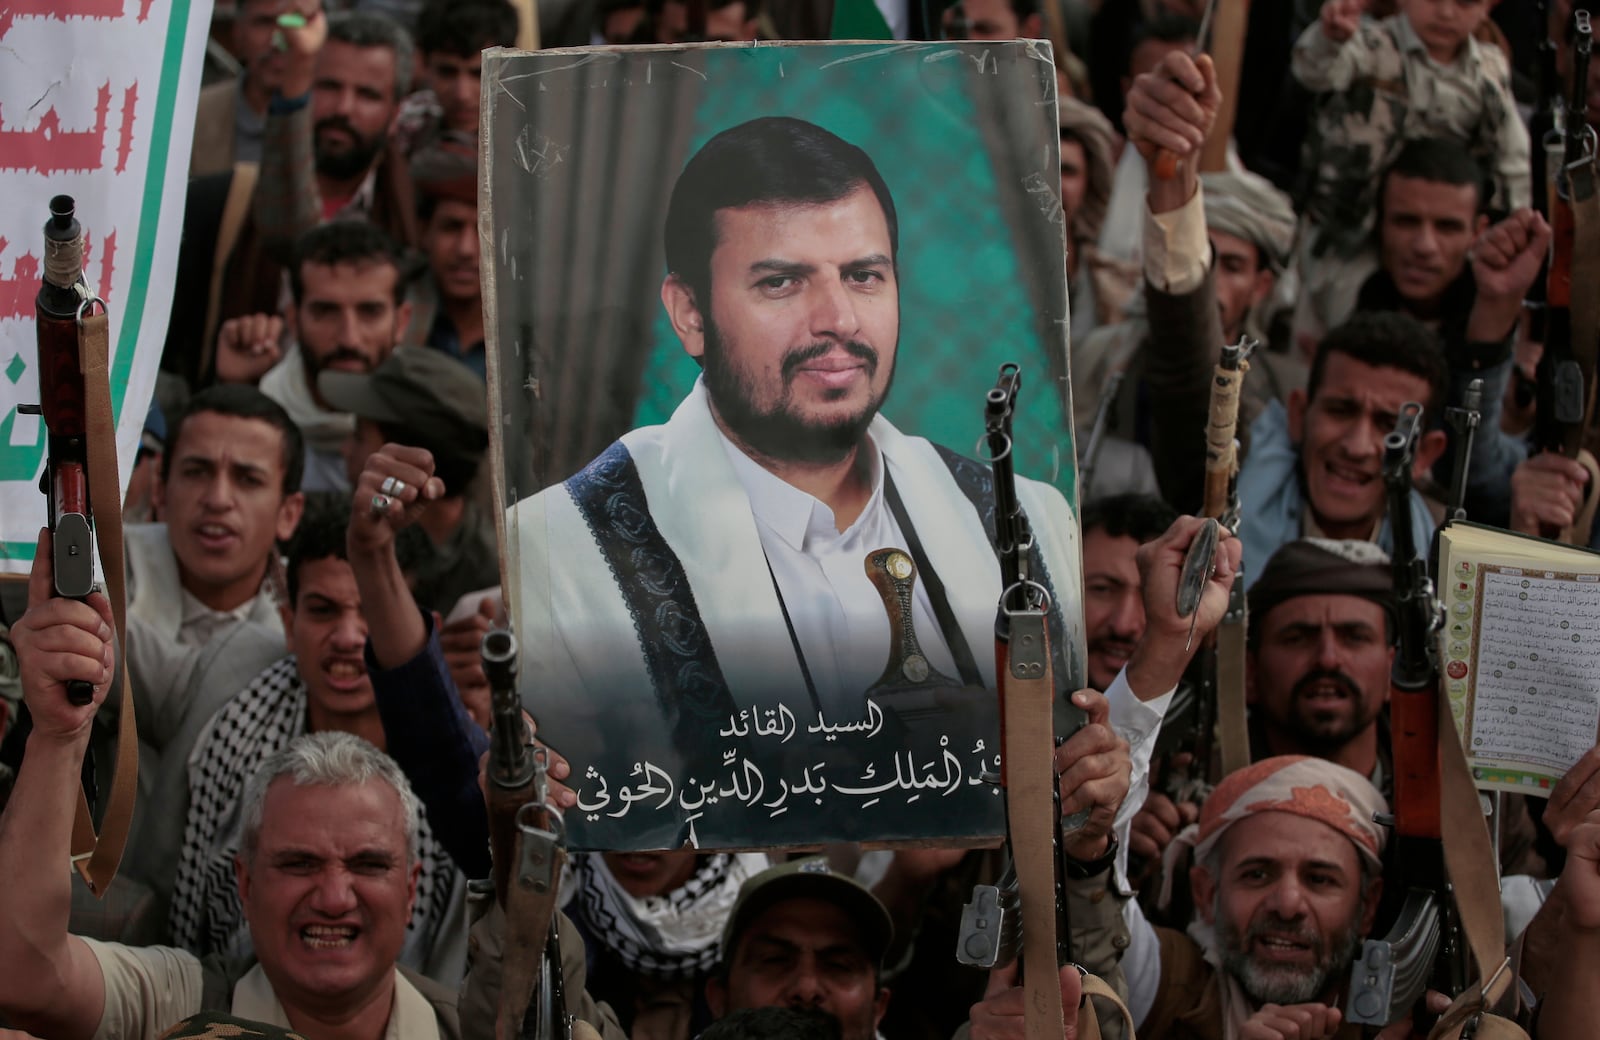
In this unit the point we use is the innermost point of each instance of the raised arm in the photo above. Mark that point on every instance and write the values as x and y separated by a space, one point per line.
1328 55
52 984
287 202
1505 261
1169 109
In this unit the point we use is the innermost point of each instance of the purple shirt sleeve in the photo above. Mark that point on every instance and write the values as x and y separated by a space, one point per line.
437 746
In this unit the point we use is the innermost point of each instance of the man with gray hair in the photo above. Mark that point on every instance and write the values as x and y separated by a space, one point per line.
327 872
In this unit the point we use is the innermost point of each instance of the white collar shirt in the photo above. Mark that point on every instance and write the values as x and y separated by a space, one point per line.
840 623
201 624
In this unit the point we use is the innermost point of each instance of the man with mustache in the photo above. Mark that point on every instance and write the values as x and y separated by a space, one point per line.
320 685
1288 872
326 151
756 503
349 314
1320 653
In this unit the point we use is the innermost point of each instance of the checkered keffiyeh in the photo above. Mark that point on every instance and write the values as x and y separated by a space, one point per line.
672 936
207 916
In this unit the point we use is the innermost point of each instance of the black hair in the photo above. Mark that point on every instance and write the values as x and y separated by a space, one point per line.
1440 160
465 27
775 159
1141 517
1387 339
320 536
775 1023
367 29
455 464
243 402
1163 28
346 241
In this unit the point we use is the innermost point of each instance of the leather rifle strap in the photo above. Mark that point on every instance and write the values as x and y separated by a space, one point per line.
1474 876
1233 728
1578 533
235 212
97 857
1089 1019
1029 756
529 916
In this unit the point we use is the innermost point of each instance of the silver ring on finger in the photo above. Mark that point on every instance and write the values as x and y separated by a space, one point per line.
393 486
380 504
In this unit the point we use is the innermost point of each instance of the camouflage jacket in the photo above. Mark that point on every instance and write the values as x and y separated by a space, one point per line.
1379 90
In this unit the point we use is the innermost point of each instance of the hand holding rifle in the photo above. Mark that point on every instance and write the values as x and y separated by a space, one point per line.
61 641
1093 770
1169 113
1159 659
1547 491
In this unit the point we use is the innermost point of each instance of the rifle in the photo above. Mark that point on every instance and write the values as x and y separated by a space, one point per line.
64 297
75 403
1210 712
1566 378
1426 946
1097 432
527 845
1463 420
993 931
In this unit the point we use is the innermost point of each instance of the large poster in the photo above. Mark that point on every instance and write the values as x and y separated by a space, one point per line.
746 305
97 101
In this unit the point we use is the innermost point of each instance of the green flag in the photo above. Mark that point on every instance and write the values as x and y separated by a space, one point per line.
859 20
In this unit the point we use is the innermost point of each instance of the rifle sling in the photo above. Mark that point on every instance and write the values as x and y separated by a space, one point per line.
1233 728
1029 756
529 916
1089 1019
98 857
1469 860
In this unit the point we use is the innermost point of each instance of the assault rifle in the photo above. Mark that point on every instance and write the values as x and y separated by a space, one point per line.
526 843
1566 384
1215 699
1425 947
1089 465
1034 720
63 298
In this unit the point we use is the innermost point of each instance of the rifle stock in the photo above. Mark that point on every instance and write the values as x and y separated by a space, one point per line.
1026 913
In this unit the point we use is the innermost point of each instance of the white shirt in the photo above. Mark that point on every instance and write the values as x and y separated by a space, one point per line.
838 618
201 624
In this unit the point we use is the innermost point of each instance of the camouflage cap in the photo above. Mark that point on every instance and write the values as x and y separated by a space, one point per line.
213 1025
809 878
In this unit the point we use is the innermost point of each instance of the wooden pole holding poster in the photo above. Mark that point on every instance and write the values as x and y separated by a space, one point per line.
527 24
1227 53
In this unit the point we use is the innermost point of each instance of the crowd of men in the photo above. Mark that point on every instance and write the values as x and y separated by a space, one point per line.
316 559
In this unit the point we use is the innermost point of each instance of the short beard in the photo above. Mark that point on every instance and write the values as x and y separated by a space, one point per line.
777 433
1327 737
344 165
1285 985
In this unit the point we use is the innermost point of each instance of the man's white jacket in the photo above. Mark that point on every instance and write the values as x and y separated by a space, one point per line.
580 637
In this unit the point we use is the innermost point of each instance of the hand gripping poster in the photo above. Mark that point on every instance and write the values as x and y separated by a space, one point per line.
747 307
